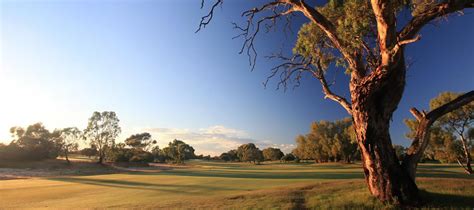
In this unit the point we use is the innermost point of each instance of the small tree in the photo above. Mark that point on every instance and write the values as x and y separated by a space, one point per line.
272 154
249 153
288 157
101 131
178 151
459 122
68 140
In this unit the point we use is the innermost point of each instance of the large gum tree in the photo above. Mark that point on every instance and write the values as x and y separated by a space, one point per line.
365 38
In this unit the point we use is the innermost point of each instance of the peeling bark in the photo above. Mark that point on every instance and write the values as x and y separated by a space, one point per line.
372 109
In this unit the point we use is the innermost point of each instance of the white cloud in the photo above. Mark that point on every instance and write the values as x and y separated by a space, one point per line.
213 140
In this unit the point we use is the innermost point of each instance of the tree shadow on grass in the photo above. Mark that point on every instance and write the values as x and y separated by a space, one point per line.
258 175
440 200
433 173
225 173
173 188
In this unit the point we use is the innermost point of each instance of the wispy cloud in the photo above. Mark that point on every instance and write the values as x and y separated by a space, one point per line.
212 140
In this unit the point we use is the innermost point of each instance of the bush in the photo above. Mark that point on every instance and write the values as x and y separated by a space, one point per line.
89 152
288 157
142 156
131 155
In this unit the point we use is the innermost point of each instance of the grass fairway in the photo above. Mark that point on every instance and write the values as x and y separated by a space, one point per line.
230 185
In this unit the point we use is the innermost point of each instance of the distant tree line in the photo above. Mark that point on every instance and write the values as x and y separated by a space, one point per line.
35 142
32 143
251 153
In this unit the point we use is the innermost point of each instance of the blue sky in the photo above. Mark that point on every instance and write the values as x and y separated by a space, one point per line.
61 60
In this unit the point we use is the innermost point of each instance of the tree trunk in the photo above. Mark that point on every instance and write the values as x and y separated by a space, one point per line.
373 104
384 176
419 144
101 156
66 155
467 155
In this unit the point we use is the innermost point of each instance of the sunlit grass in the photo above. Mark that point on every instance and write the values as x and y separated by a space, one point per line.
230 185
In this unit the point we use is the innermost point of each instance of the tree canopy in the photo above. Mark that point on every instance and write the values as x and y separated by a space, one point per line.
33 143
141 141
178 151
328 141
68 140
271 153
102 130
249 153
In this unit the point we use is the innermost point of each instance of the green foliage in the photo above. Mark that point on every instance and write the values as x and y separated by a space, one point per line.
328 141
419 6
457 123
101 131
272 154
89 152
141 141
229 156
225 157
353 20
442 145
68 140
354 23
447 133
120 153
158 155
178 151
458 120
288 157
33 143
249 153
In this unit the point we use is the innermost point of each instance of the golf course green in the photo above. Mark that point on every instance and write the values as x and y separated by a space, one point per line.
216 185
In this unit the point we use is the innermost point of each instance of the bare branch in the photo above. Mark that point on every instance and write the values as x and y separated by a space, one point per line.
291 71
251 28
291 66
205 20
399 44
328 93
417 114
